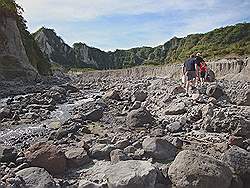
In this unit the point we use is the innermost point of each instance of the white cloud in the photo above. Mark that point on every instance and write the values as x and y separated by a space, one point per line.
176 17
69 10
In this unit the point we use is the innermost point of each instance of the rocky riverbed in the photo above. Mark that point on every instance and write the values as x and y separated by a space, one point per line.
124 132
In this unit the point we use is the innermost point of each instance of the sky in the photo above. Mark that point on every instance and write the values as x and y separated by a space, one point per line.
123 24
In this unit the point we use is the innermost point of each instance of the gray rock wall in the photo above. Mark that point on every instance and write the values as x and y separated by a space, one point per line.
225 68
14 62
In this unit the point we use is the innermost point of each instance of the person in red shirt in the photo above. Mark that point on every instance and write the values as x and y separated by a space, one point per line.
203 71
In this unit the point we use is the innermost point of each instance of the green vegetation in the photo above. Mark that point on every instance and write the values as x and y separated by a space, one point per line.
10 8
230 40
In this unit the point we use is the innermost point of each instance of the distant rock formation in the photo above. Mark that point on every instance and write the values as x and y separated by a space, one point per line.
54 48
216 44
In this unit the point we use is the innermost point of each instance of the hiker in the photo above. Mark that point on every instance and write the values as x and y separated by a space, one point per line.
189 70
199 60
203 72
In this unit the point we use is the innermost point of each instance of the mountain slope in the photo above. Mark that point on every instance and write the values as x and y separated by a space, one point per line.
230 40
54 48
20 56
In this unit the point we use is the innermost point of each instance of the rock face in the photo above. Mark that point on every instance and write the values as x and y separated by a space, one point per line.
139 118
36 178
14 62
92 57
131 174
159 149
54 47
80 55
230 68
47 156
195 170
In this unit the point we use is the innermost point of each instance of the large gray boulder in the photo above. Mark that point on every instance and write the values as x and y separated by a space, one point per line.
139 118
194 170
94 115
214 91
101 151
159 149
176 108
76 157
7 154
131 174
37 178
140 96
239 160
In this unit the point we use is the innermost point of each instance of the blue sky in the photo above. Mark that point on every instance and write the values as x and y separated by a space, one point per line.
120 24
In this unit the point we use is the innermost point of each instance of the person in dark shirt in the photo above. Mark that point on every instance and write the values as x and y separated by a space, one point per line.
189 70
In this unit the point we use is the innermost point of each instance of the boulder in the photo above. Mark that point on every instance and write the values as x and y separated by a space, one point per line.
76 157
139 118
36 178
239 160
121 144
101 151
210 76
176 108
214 91
70 88
174 127
129 149
140 96
136 105
118 155
246 100
113 94
174 90
159 149
7 154
47 156
88 184
5 113
194 170
58 89
94 115
131 174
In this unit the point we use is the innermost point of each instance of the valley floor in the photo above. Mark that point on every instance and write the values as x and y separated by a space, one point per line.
122 131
